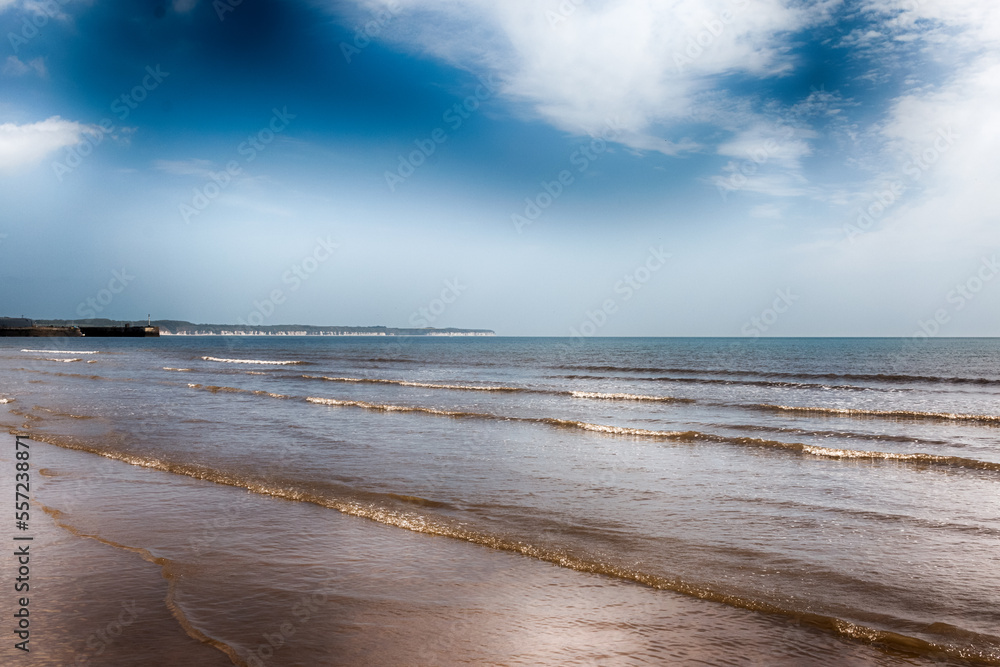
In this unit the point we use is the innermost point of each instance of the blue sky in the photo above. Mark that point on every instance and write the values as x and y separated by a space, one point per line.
619 168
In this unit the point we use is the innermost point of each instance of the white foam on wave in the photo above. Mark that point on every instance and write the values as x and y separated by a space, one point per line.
65 361
902 414
408 383
599 428
62 351
621 397
4 401
861 454
179 370
382 406
616 430
259 362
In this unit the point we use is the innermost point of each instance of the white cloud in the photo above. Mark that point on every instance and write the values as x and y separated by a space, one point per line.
28 144
938 140
13 66
50 8
642 63
956 24
947 141
769 143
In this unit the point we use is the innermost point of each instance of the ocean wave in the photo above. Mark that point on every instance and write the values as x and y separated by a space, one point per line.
729 382
563 423
502 389
179 370
682 436
955 461
258 362
57 413
619 430
65 361
4 401
416 514
62 351
382 407
815 433
626 431
890 414
215 389
858 377
408 383
628 397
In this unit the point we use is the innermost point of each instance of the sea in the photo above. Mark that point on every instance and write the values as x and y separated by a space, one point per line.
292 500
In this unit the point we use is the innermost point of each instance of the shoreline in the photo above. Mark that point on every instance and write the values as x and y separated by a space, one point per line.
91 602
76 478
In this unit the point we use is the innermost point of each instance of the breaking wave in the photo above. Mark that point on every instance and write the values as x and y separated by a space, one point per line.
258 362
628 397
407 383
890 414
679 436
856 377
502 388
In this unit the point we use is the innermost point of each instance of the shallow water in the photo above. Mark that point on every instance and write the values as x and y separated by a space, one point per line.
624 501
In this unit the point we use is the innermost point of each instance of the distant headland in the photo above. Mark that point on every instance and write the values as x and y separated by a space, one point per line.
181 328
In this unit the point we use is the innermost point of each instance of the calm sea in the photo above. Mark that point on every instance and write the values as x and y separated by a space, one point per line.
529 501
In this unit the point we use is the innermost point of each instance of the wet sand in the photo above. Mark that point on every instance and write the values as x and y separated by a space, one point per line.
271 582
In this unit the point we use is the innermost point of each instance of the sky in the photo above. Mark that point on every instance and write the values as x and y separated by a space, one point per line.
535 167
